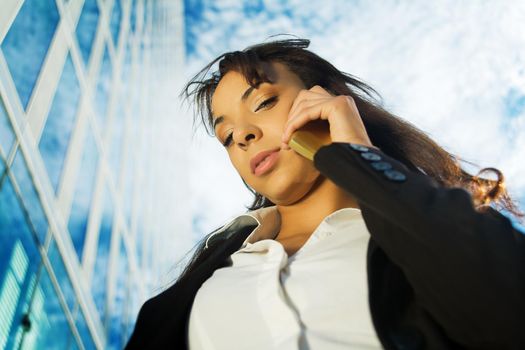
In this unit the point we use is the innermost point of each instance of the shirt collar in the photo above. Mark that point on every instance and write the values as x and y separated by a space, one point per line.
268 222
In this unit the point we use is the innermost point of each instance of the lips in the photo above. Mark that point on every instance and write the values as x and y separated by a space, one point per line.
267 157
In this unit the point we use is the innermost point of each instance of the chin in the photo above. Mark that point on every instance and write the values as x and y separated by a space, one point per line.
283 190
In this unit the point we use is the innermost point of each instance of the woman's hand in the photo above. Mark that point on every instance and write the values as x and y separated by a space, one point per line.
340 112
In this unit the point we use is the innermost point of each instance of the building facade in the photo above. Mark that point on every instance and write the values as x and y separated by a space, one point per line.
78 222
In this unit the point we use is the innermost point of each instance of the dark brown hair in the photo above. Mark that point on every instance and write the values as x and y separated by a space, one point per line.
394 136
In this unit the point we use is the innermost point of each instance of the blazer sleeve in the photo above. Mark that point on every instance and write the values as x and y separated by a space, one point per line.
467 268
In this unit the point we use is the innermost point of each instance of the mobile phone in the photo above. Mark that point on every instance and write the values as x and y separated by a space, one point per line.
308 139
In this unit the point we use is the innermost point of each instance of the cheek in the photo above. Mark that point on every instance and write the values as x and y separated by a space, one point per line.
286 190
292 180
241 170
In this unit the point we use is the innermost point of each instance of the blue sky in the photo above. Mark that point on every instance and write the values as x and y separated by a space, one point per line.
454 69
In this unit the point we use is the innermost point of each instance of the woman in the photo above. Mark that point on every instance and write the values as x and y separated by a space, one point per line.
382 241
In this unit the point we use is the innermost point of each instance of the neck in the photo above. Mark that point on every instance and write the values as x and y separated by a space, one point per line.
300 219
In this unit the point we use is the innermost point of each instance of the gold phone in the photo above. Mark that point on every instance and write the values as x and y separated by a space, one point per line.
308 139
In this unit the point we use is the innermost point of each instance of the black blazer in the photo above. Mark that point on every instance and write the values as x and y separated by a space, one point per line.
441 275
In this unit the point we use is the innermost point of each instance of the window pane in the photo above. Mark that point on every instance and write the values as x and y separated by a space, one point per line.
87 28
85 184
117 325
129 181
193 15
84 332
2 169
49 326
126 72
99 282
132 310
18 265
115 150
133 16
139 235
26 44
145 16
7 135
101 95
30 196
57 131
57 263
114 23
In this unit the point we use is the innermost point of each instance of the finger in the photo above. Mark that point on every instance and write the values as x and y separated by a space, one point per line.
305 103
314 92
320 90
307 114
302 95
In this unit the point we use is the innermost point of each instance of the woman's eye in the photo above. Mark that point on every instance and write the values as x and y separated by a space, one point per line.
227 142
268 102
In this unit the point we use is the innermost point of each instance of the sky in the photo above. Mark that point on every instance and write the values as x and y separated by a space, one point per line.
455 69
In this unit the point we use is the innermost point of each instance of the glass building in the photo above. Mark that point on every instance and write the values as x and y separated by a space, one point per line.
79 230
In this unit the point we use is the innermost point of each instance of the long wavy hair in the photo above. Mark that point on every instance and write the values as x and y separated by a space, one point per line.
393 135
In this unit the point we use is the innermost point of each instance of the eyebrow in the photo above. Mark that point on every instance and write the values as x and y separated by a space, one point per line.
244 97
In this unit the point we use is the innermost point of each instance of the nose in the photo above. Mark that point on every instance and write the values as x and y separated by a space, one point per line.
245 135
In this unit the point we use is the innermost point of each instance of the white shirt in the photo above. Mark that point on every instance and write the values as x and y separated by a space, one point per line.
315 299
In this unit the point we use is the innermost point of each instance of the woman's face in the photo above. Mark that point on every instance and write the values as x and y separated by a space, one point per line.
250 122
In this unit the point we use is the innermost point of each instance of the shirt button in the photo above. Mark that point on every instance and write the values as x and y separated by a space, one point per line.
381 166
371 156
395 175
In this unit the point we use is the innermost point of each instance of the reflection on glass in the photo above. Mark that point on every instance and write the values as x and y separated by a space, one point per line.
115 150
114 22
101 95
133 16
30 197
83 330
78 218
130 177
139 236
57 131
117 322
99 283
193 15
145 15
10 291
87 28
2 168
25 45
132 311
18 266
143 246
6 131
49 328
126 71
57 263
